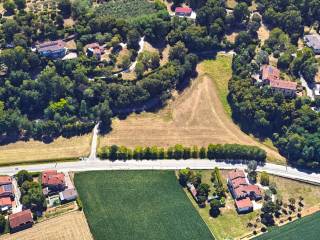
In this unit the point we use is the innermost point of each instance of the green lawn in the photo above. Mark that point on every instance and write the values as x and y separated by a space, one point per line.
307 228
220 71
138 205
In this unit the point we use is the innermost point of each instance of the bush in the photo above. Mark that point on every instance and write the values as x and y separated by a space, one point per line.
78 200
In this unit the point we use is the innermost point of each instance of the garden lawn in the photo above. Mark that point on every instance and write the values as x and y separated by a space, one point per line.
307 228
149 205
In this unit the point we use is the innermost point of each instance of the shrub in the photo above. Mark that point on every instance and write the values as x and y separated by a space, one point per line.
78 200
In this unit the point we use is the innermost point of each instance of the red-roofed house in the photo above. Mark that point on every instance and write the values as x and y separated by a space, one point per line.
53 180
244 205
286 87
21 220
183 11
94 50
6 191
5 203
52 49
5 180
269 73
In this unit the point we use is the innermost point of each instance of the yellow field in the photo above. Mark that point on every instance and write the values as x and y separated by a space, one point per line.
71 226
194 117
61 148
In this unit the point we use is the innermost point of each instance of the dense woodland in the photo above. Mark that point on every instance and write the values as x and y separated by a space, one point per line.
43 99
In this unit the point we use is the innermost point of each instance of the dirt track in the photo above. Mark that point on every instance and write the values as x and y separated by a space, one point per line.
71 226
196 117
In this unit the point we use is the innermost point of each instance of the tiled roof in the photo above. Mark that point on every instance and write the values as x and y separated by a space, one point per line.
186 10
5 180
20 218
234 174
51 177
6 189
281 84
270 73
51 46
238 182
6 201
244 203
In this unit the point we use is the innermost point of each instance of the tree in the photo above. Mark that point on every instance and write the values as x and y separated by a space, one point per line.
2 223
241 12
9 6
139 70
178 52
268 209
203 153
22 176
133 39
264 179
65 7
252 174
215 205
184 176
21 4
203 189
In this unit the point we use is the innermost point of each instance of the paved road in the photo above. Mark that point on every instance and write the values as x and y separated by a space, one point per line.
162 165
309 90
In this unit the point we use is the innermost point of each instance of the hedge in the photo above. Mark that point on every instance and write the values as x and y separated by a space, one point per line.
213 151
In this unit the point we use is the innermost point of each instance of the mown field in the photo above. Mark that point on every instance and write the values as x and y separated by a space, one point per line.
197 116
132 205
126 8
307 228
35 151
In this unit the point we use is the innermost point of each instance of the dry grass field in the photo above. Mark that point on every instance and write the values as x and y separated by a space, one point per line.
71 226
61 148
194 117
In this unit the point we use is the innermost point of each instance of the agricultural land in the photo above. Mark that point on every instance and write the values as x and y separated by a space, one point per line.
197 116
138 205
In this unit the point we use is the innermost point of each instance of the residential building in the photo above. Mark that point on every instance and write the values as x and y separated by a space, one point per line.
5 180
269 73
20 221
53 180
94 50
244 205
6 191
52 49
183 11
5 204
288 88
313 42
68 195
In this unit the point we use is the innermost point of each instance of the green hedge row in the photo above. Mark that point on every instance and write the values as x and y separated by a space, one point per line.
213 151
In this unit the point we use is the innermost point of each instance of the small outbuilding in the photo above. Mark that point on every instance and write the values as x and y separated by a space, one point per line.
68 195
244 205
183 11
313 42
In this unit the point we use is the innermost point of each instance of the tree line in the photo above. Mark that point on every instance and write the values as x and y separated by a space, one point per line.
213 151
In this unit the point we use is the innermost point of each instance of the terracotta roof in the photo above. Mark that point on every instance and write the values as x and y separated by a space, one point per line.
20 218
270 73
281 84
96 48
5 180
6 201
239 182
244 203
51 46
234 174
51 177
185 10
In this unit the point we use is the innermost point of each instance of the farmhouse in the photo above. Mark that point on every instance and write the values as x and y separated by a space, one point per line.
52 49
20 221
53 180
183 11
94 50
271 76
242 191
313 42
68 195
288 88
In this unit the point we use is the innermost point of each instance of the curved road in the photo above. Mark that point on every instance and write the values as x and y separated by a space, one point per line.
92 165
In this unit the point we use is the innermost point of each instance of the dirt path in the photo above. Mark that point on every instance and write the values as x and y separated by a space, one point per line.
195 117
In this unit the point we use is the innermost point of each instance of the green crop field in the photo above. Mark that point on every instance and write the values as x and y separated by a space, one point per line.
307 228
126 8
132 205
